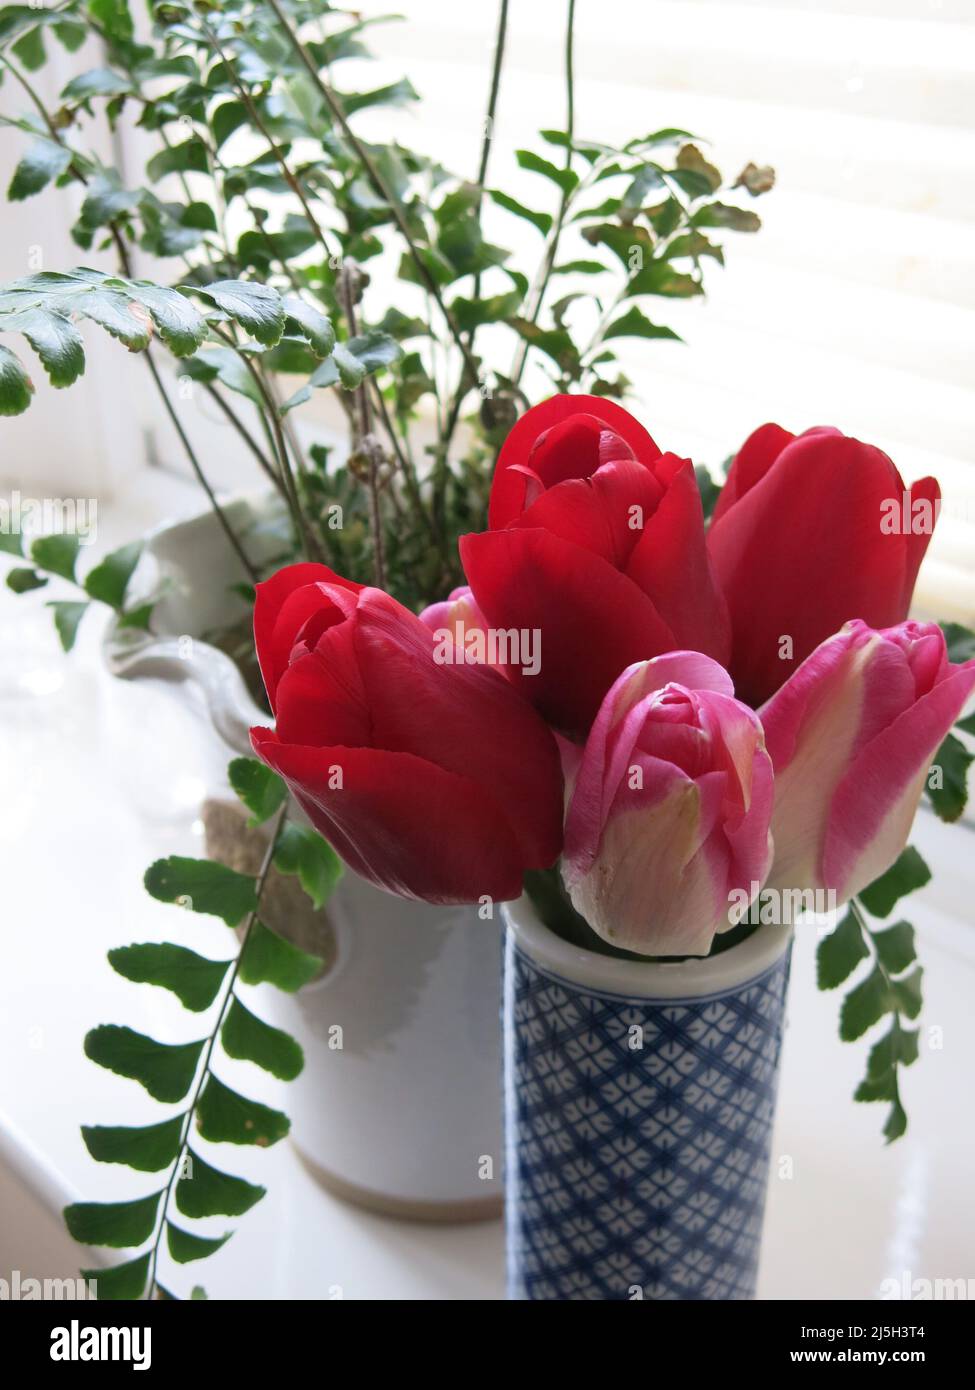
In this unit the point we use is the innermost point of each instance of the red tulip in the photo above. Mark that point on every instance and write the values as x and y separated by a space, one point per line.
597 543
434 781
810 532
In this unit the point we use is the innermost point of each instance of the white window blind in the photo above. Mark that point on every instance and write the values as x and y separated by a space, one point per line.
855 305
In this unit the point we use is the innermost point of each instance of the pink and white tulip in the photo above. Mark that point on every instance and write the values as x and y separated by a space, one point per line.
851 735
670 809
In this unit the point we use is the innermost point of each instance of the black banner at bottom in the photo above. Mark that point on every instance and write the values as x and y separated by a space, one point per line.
161 1338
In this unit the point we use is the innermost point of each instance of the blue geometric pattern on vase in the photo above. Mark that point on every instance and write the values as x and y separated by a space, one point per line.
637 1169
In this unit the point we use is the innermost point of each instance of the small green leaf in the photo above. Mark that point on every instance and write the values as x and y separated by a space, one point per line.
16 387
261 790
198 1294
710 490
54 339
268 959
898 1047
967 726
202 886
658 277
906 874
907 993
22 580
392 94
896 1124
565 178
189 157
137 617
125 1281
225 119
960 642
303 852
541 220
194 979
312 324
366 353
840 953
257 308
895 947
864 1006
97 82
68 613
249 1039
225 365
580 268
224 1117
181 328
44 160
113 16
690 159
109 580
880 1087
119 316
205 1191
120 1225
56 554
106 200
30 50
184 1246
165 1070
11 542
148 1148
635 324
645 181
726 215
952 762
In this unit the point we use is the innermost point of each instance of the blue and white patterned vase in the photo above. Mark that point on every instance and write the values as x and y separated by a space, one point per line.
639 1100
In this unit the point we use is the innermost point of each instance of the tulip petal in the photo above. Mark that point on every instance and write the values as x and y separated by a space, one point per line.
751 463
319 704
803 551
598 512
407 826
466 719
593 621
875 802
655 899
508 490
274 634
671 565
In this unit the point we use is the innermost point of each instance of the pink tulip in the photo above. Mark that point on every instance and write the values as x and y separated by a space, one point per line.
851 736
460 616
670 809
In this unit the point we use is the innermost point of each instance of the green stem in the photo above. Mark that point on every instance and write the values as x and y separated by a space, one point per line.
290 178
463 385
201 477
365 442
245 931
272 415
378 182
553 244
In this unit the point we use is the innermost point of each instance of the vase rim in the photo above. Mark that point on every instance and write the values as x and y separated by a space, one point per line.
692 978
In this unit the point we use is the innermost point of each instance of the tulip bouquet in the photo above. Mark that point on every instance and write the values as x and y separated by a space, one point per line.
700 719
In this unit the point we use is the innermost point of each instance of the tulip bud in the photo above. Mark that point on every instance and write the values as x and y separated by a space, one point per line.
433 780
670 810
810 531
851 736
